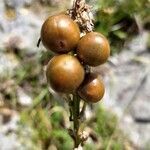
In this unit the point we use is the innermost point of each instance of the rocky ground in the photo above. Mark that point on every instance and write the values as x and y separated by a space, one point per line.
126 75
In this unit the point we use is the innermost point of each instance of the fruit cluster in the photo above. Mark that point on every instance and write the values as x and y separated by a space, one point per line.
66 71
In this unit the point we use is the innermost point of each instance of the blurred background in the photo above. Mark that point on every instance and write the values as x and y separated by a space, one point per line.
120 121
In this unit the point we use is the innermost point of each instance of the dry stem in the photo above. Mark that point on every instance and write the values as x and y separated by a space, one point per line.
76 122
80 13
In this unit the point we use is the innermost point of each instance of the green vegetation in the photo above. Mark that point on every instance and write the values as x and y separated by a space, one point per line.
121 20
49 127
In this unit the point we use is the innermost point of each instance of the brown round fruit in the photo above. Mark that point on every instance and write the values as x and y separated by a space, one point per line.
93 49
65 73
92 89
60 34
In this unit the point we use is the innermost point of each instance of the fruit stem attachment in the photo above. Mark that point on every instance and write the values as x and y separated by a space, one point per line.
38 43
76 122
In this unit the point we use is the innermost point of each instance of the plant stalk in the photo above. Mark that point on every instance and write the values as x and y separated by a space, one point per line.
76 122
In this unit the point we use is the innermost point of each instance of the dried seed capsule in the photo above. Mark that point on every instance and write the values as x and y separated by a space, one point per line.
60 34
92 89
65 73
93 49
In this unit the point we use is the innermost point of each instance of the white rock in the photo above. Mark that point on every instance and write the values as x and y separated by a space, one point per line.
23 98
8 64
126 95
